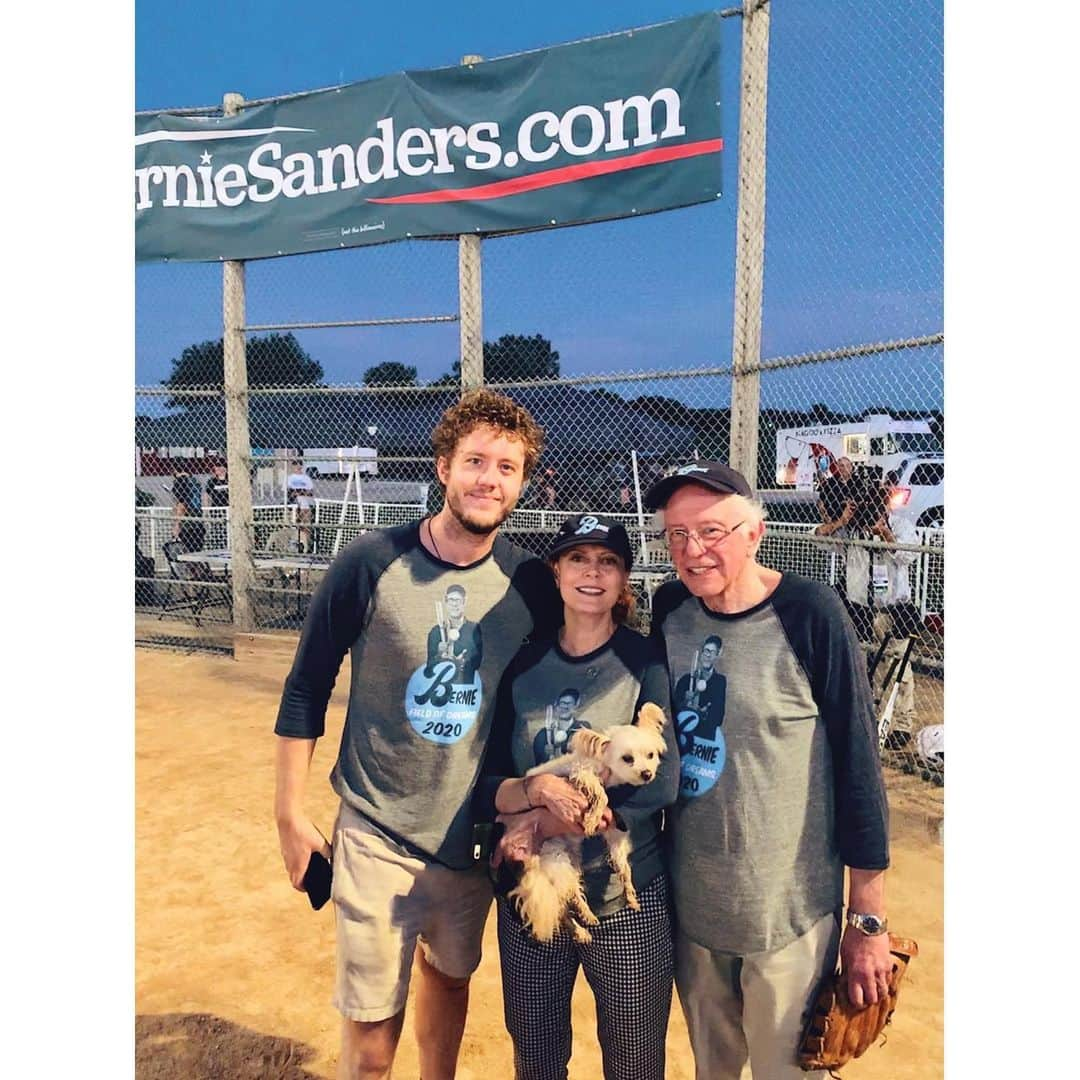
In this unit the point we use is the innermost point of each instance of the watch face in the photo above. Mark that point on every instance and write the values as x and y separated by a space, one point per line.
868 924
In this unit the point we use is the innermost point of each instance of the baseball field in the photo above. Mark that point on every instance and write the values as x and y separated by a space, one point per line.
234 971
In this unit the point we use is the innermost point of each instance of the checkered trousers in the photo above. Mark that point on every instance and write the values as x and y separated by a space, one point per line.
629 966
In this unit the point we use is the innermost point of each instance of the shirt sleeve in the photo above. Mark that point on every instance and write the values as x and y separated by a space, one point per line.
904 532
545 603
634 805
498 763
824 640
667 598
334 621
843 694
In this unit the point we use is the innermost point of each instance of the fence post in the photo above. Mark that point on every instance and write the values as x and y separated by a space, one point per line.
750 240
470 300
237 435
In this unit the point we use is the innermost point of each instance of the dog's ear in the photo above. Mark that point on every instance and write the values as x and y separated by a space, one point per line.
588 743
651 717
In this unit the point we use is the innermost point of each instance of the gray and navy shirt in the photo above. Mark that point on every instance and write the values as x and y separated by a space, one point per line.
781 788
608 686
416 725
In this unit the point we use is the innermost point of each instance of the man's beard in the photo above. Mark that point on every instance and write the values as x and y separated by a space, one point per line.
471 525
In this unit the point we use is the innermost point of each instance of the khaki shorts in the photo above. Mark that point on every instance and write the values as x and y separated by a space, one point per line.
385 899
752 1008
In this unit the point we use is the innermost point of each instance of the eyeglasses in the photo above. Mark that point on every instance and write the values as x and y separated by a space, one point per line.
709 536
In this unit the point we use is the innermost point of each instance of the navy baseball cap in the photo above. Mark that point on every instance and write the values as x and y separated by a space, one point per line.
711 474
592 529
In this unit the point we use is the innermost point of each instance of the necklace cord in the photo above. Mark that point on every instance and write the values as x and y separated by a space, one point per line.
431 537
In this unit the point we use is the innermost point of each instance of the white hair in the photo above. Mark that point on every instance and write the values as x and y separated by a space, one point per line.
757 508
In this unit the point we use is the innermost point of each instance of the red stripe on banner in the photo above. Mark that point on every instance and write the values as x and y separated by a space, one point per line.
569 174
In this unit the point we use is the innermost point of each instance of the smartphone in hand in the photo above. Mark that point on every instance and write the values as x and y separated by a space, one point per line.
317 879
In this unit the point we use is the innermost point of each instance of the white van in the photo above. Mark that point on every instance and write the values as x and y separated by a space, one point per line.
919 491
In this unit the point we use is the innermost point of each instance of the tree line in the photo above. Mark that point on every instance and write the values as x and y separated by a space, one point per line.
280 360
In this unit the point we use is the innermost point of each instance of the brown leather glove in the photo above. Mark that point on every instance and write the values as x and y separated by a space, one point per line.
836 1031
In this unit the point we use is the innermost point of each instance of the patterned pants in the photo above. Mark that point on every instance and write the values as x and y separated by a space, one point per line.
629 966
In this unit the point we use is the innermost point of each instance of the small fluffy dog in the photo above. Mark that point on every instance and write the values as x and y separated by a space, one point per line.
551 892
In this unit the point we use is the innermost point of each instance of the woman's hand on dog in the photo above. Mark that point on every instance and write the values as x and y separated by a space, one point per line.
521 839
526 832
549 825
559 796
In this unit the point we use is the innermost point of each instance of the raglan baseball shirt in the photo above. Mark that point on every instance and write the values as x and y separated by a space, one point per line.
612 682
413 738
786 789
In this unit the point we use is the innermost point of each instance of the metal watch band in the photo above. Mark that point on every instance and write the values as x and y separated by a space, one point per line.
871 925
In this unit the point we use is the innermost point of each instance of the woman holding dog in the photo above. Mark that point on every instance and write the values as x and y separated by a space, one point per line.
628 961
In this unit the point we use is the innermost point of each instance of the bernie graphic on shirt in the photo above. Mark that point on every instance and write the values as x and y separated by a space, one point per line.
700 699
561 720
443 696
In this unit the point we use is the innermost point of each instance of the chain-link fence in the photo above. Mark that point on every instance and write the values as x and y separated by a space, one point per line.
792 323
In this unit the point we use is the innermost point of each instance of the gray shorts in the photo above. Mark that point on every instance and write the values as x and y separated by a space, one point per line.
386 898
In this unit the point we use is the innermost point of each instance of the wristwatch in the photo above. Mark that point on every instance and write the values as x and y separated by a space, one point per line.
871 925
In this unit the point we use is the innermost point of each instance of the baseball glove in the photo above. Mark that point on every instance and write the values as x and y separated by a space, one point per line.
836 1031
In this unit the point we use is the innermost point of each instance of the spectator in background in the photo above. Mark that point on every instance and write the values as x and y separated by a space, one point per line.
188 527
853 507
549 489
301 490
836 500
217 495
217 487
896 618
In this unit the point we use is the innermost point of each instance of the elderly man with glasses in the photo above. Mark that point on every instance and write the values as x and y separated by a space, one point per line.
779 792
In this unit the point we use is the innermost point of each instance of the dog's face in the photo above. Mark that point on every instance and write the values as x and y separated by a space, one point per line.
632 754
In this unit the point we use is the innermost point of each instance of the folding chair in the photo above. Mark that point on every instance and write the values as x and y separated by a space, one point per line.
904 628
191 586
282 541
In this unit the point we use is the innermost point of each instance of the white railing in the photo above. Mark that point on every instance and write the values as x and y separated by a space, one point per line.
787 546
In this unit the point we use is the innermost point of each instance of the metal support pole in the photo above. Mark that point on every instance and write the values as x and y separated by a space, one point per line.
237 435
470 300
750 241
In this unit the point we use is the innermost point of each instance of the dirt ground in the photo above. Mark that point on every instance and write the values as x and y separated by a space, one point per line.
234 971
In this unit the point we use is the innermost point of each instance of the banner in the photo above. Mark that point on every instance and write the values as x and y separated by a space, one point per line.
611 127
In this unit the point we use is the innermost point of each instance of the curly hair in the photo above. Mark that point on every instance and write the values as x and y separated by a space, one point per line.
486 408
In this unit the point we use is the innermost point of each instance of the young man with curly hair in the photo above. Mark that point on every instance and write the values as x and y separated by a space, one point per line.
414 737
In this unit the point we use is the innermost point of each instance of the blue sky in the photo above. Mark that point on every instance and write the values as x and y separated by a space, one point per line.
854 218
